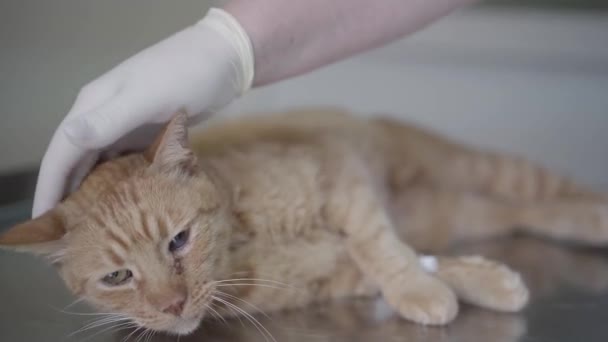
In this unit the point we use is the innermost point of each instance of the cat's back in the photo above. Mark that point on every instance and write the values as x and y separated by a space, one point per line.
371 137
278 163
296 127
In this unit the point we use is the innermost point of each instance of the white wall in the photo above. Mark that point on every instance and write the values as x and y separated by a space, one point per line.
526 82
49 49
532 83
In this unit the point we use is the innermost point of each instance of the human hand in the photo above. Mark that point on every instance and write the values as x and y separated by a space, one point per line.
198 70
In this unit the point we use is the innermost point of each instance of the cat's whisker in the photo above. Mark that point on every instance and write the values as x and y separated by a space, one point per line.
126 338
260 279
252 284
113 325
215 313
90 325
236 313
103 321
148 336
126 326
302 332
85 313
100 322
267 276
78 300
108 318
245 302
92 314
144 335
253 320
120 326
257 282
253 280
259 326
141 334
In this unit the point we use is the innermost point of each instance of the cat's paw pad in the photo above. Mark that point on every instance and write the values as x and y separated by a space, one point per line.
425 301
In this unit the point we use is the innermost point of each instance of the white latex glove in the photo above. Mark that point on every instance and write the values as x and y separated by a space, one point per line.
205 66
199 70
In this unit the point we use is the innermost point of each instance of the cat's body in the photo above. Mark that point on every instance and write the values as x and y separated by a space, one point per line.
283 167
284 210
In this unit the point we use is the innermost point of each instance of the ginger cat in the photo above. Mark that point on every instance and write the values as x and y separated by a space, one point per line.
279 211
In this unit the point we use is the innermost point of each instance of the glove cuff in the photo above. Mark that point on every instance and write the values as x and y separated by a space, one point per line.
229 28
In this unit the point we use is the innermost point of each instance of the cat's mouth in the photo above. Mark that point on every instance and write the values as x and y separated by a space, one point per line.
176 326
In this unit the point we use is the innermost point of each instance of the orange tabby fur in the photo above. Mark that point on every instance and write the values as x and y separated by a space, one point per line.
288 209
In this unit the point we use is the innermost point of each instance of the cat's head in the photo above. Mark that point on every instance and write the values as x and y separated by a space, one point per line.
144 235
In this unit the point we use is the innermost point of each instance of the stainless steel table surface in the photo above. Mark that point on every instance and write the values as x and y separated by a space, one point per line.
569 303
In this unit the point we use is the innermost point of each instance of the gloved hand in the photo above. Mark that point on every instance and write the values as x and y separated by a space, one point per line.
198 70
205 66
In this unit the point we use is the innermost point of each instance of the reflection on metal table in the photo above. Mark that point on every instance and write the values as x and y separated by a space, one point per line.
569 303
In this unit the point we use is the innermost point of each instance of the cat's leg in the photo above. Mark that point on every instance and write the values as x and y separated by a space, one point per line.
474 279
578 221
355 210
502 176
583 270
432 219
419 156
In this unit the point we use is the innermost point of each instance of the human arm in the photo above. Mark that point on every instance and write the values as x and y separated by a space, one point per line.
290 38
207 65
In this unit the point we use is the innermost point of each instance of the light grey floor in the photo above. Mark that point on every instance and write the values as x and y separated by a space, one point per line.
569 303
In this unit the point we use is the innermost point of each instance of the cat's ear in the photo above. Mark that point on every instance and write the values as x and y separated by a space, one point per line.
43 235
171 151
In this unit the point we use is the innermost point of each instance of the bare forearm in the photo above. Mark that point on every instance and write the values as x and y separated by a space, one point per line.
293 37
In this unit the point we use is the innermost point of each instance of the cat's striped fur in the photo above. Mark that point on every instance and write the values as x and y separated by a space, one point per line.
287 209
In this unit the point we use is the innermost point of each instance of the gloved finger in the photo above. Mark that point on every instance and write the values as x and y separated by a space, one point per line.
104 125
61 155
54 171
58 162
92 96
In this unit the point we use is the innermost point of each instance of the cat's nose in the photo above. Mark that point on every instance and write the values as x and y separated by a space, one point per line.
176 306
168 299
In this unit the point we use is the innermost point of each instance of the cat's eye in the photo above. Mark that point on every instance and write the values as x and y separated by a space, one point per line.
117 278
179 241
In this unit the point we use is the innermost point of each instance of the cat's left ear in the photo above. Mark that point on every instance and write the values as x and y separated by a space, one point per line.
171 152
43 235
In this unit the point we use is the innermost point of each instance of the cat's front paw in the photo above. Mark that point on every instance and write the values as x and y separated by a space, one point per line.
423 299
488 284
